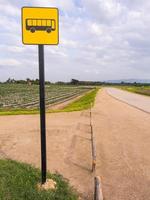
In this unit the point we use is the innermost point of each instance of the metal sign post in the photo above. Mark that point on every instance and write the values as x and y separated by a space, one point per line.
42 111
40 26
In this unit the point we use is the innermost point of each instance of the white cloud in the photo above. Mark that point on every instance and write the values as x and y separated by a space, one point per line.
95 28
9 62
98 40
7 8
66 6
104 11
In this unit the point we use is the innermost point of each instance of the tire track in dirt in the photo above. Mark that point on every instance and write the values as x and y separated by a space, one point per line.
79 153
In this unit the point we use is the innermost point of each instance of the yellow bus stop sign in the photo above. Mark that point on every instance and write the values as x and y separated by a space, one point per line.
40 25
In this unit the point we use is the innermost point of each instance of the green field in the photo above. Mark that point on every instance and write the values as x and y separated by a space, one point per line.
24 97
20 181
144 90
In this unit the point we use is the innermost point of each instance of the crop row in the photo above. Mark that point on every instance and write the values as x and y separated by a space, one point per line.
26 96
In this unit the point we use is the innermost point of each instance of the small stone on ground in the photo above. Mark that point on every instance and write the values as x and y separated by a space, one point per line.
49 185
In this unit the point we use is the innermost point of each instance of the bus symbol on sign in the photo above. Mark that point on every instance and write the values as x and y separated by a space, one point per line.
40 25
47 25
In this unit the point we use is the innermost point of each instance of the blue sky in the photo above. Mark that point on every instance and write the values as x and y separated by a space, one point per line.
99 40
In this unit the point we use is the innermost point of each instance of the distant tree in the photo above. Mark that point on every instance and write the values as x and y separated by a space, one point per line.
20 82
10 80
122 83
60 83
47 83
74 82
36 82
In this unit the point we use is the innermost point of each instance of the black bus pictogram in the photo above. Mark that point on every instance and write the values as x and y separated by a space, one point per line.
47 25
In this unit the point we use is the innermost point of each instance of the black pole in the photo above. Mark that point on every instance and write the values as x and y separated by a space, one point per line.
42 112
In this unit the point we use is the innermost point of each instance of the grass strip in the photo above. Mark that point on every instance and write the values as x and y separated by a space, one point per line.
83 103
18 181
143 90
18 112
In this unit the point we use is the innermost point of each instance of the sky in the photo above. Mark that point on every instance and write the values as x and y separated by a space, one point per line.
99 40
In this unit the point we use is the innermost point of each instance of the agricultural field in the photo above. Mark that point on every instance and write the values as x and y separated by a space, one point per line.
145 90
26 97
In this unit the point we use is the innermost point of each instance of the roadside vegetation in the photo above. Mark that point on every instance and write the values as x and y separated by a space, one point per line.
19 181
144 90
83 103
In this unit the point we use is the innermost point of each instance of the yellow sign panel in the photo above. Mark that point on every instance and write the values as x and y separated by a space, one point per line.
40 25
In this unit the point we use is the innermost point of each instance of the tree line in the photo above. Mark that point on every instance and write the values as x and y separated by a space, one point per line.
72 82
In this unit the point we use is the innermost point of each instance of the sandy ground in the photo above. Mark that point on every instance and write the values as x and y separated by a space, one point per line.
122 140
68 145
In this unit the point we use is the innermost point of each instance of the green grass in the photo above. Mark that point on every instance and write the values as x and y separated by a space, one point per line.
19 181
144 90
80 104
4 112
83 103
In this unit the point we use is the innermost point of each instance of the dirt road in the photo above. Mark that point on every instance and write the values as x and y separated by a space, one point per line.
139 101
122 139
123 149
